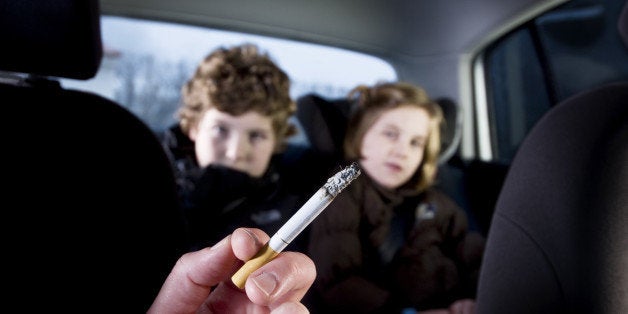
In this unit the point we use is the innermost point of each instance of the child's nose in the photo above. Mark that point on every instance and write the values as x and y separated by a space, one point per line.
237 147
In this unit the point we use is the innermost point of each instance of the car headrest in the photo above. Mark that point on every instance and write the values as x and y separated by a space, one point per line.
58 38
451 128
324 122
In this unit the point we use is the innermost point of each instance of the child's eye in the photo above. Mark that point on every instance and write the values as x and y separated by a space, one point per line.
220 131
417 143
390 134
257 136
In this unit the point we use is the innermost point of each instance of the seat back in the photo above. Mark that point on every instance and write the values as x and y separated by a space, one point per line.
89 190
558 241
324 122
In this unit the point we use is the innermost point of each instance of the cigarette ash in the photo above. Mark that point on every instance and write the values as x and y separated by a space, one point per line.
341 180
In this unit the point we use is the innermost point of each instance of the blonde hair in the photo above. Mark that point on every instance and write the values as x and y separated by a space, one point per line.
237 80
372 102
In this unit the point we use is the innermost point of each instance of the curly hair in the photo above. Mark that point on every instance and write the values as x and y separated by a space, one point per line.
237 80
372 102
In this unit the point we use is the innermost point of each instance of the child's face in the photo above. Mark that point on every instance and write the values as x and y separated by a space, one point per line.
243 143
392 149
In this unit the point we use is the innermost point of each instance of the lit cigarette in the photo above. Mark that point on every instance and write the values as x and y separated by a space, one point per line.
301 219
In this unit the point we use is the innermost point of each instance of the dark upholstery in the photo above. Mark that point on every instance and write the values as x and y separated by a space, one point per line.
558 241
89 193
451 128
50 38
324 122
622 24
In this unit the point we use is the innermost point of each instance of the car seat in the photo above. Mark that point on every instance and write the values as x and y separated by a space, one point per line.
558 241
89 193
324 121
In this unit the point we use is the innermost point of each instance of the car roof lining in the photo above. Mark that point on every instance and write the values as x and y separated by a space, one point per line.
380 28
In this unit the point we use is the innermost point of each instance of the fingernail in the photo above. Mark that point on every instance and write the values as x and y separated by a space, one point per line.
252 235
266 282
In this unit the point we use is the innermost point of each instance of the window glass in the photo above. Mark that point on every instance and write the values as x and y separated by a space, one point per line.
563 52
519 96
145 64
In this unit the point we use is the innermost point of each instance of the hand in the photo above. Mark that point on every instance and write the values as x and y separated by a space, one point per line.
200 282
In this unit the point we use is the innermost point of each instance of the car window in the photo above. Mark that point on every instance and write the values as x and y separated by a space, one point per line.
145 64
562 52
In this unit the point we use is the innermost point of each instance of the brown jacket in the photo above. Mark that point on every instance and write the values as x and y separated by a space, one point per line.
425 260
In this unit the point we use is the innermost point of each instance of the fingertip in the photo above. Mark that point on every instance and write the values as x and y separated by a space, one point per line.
246 242
285 278
307 268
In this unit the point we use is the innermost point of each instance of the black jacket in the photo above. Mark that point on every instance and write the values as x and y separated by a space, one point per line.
377 251
216 200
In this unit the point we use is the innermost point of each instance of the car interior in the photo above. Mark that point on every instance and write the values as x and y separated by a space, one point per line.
93 198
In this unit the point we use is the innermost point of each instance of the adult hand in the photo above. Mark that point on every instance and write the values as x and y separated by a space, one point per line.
200 282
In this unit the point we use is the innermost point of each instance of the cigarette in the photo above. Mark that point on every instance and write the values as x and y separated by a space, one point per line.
298 222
